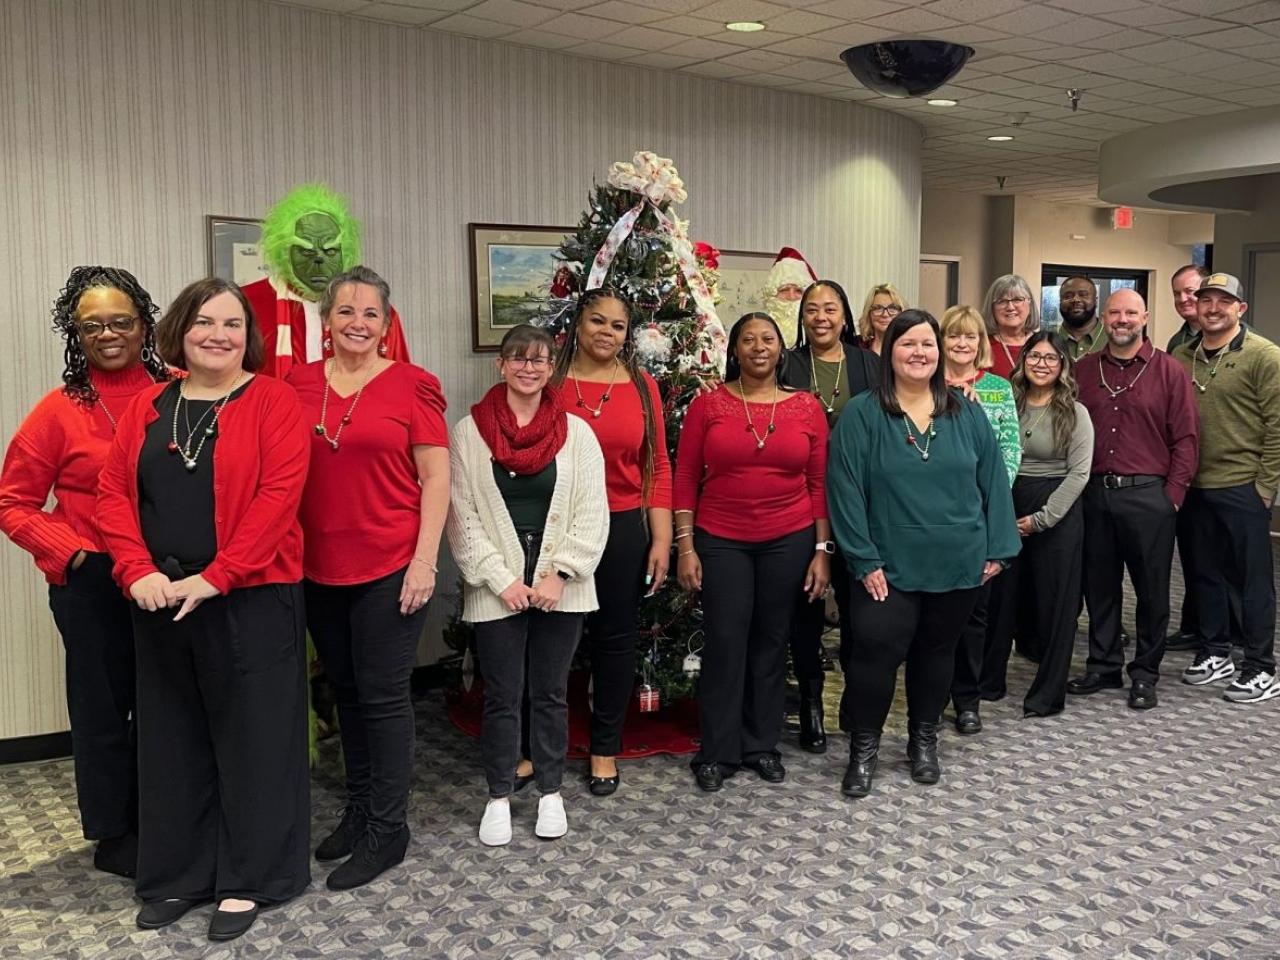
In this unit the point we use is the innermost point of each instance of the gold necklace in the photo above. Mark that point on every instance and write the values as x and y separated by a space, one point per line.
813 380
1213 370
751 427
322 428
598 409
1035 423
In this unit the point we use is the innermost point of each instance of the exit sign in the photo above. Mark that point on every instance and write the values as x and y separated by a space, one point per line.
1122 218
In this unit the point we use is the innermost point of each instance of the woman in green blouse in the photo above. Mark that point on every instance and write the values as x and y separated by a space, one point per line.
919 500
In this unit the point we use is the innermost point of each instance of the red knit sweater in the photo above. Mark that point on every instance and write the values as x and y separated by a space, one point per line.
61 446
259 470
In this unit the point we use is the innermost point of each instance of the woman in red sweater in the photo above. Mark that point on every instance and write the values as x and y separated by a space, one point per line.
603 384
751 534
374 507
198 507
108 324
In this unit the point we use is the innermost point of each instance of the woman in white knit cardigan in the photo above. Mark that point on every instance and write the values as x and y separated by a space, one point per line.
528 524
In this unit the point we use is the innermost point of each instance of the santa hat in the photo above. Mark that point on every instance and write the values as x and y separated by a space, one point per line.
790 268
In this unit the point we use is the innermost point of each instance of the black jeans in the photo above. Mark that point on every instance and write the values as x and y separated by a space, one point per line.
1127 528
809 623
544 642
612 631
1189 615
1231 546
224 805
748 595
97 632
921 629
369 650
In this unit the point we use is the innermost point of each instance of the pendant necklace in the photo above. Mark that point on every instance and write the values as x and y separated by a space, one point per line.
828 405
1036 422
1213 370
1116 391
751 427
189 457
110 418
928 433
599 408
321 428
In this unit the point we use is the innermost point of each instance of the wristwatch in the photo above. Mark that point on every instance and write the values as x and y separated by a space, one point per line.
825 546
564 576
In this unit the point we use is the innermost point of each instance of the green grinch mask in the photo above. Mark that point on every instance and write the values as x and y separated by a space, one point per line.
316 257
308 238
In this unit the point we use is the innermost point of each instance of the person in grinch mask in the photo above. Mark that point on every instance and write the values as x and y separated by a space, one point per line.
308 238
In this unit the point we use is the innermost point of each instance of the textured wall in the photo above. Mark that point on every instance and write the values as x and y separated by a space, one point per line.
124 122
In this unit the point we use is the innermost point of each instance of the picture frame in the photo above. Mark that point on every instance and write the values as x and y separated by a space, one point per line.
233 248
742 276
511 269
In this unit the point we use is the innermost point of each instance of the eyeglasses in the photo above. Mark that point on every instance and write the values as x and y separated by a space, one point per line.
120 325
538 363
1049 360
1011 302
889 311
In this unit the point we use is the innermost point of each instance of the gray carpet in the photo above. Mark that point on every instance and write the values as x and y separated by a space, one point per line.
1102 832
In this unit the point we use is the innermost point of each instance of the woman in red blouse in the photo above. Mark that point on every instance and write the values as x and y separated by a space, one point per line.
108 324
603 384
373 511
751 534
198 506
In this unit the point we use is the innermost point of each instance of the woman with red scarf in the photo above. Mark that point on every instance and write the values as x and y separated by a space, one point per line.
528 525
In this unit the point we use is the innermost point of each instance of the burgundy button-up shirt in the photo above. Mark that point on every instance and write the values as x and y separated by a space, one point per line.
1151 425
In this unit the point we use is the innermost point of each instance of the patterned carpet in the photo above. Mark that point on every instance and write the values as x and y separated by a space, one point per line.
1103 832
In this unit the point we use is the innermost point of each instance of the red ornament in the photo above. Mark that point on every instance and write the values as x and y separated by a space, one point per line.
561 283
649 698
171 446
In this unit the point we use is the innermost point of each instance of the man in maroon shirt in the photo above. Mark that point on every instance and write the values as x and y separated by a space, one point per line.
1146 436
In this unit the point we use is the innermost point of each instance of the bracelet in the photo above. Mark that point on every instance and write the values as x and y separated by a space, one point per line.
430 566
681 536
687 553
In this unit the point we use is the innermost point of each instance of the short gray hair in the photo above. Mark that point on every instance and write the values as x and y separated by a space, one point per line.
1001 287
357 274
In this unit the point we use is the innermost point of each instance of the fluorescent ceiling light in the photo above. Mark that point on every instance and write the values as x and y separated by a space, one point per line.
745 26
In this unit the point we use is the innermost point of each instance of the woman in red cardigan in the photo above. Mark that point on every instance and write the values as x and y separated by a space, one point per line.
751 534
198 506
602 383
108 324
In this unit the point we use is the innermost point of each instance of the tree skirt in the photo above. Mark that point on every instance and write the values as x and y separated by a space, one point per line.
672 729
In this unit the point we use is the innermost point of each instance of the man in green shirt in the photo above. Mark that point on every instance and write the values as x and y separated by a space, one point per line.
1236 374
1081 329
1186 284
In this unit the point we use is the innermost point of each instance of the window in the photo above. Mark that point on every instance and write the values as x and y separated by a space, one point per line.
1107 280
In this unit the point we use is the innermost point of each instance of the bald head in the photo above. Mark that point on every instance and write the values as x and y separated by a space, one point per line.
1125 316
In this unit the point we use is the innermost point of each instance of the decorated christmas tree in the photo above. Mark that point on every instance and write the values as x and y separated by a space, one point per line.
629 239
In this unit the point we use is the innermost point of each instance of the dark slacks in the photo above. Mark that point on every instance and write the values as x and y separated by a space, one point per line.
224 805
1127 528
612 631
1046 579
97 632
530 649
921 629
982 653
369 650
748 596
1231 541
1189 614
809 622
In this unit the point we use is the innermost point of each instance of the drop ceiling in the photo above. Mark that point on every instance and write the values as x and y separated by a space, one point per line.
1137 62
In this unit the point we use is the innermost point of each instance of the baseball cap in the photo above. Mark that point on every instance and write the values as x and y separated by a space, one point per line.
1223 283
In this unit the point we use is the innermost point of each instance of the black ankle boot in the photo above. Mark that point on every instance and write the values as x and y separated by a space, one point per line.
922 751
864 748
375 853
813 733
339 844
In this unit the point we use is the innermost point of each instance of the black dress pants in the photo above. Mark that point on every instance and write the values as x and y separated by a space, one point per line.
1230 534
1127 528
921 629
97 632
224 805
809 623
982 653
613 630
748 596
369 650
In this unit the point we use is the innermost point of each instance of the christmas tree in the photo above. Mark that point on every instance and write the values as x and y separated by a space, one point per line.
630 240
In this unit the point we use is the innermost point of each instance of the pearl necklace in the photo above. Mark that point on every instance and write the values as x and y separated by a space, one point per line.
321 428
188 457
751 426
813 380
1213 370
596 410
928 433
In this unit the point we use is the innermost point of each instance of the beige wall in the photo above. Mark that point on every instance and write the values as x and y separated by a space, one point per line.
1234 232
125 122
957 224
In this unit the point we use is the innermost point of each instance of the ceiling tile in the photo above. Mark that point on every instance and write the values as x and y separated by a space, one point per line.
802 23
581 27
1267 10
691 26
511 12
545 39
969 34
1095 8
1077 31
974 11
702 48
1051 73
727 11
1030 19
660 61
332 6
853 35
813 70
407 16
556 4
624 12
855 9
1025 45
762 60
1208 8
603 51
1002 63
818 89
646 38
1120 40
471 26
809 47
714 69
911 20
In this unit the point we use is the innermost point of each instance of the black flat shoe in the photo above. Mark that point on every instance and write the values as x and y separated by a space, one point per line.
1092 682
161 913
118 855
521 781
229 924
375 854
1142 695
1182 641
604 786
968 722
339 844
709 776
768 768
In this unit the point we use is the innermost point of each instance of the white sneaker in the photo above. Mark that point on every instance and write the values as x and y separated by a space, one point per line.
552 823
495 825
1206 668
1252 686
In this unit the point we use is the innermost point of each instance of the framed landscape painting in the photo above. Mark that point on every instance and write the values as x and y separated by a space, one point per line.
511 271
742 277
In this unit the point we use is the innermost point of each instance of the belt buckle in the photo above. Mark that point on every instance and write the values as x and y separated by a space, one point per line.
1110 481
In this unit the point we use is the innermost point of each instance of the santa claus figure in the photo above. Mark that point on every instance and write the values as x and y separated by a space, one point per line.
308 238
788 279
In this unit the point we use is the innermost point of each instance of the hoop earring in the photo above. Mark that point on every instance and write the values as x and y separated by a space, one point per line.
147 354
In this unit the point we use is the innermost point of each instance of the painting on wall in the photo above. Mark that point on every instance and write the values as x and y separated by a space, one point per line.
233 251
742 277
511 270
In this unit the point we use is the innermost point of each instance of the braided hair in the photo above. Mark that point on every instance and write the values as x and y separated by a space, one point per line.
564 363
75 375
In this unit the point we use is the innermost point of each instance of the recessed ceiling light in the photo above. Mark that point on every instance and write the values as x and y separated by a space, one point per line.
1000 137
942 103
745 26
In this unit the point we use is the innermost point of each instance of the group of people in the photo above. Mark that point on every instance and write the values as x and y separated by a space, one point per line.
959 483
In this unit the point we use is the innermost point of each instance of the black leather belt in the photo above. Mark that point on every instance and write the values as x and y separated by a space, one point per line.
1114 481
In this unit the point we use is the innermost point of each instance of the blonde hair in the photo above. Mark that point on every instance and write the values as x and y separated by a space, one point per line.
865 330
965 319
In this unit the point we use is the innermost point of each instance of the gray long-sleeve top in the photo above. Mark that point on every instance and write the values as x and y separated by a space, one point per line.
1039 459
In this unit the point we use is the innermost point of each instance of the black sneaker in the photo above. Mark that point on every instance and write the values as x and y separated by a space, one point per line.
339 844
375 854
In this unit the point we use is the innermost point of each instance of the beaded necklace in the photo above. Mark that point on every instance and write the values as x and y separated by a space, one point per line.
1116 391
599 408
828 405
751 427
1213 370
322 428
928 433
189 458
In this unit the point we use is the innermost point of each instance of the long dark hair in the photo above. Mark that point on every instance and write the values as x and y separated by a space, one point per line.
945 402
564 363
1065 389
75 374
848 333
733 369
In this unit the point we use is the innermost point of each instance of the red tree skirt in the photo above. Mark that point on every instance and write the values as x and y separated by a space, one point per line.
673 729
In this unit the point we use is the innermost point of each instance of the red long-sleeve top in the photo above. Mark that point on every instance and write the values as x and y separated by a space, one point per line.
620 432
61 446
259 470
740 491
